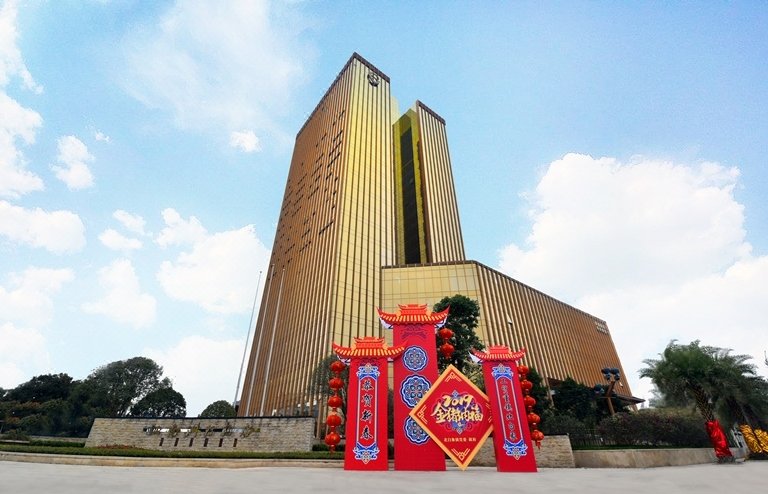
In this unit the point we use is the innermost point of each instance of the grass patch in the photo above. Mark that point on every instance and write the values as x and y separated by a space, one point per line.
58 444
150 453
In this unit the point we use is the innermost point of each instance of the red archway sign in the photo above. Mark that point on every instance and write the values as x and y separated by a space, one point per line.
415 371
511 437
366 430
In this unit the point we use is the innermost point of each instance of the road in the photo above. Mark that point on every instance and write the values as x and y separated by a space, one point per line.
32 478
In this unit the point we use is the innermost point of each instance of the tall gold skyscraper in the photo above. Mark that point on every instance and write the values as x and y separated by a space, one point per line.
370 219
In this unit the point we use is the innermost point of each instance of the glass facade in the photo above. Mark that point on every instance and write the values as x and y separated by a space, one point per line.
560 340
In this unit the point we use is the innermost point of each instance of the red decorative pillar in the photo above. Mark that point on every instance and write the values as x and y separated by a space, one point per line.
366 430
414 373
511 438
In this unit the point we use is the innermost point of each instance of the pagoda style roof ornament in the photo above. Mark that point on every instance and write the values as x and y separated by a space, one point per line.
368 346
499 352
414 314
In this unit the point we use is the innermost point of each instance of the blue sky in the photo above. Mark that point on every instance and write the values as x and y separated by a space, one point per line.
610 155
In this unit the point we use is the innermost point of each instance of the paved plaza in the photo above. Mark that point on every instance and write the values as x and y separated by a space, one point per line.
31 478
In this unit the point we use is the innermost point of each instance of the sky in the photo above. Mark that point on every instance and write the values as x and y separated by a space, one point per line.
612 155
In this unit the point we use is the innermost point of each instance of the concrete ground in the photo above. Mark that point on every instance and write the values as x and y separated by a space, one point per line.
32 478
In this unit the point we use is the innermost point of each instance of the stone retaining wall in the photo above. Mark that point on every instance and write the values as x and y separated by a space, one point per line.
555 452
644 458
198 434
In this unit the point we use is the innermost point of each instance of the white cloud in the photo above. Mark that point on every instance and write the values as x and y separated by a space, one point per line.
177 231
220 270
27 299
245 140
201 385
11 62
18 124
100 136
26 303
74 157
217 67
57 231
123 300
132 222
22 354
116 241
656 248
219 273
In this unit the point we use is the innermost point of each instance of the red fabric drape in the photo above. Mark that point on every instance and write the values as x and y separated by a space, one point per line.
719 442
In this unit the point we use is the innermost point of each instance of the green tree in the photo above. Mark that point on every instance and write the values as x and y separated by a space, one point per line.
119 385
462 319
220 408
704 374
163 402
42 388
710 376
539 392
575 399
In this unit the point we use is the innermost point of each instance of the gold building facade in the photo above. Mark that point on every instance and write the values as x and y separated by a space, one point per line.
370 219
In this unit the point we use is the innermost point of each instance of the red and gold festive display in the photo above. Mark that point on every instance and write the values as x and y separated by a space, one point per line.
511 416
333 421
414 373
366 430
434 416
456 415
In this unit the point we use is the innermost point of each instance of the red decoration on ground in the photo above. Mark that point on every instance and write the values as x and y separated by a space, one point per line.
719 442
457 416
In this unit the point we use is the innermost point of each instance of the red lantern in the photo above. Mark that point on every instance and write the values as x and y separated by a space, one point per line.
333 420
526 386
446 350
529 402
537 436
336 383
332 439
335 401
445 334
533 419
522 369
337 367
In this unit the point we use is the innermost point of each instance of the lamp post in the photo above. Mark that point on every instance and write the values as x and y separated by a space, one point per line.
612 376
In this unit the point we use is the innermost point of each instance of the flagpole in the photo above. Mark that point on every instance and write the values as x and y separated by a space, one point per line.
247 337
258 346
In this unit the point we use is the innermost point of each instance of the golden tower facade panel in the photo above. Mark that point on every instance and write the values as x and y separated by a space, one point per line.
334 232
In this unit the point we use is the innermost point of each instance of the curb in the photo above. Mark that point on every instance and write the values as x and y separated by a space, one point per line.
122 461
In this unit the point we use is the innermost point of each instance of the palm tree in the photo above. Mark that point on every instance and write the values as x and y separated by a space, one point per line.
698 372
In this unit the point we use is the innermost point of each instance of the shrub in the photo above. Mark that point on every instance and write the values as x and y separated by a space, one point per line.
654 428
15 435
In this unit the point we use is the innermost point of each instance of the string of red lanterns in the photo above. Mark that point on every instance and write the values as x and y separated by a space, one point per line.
529 401
446 349
333 421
